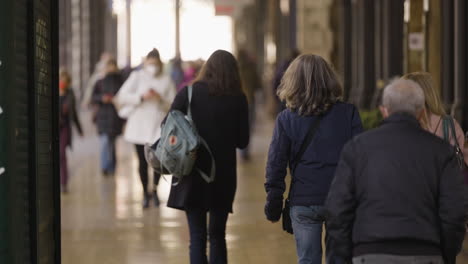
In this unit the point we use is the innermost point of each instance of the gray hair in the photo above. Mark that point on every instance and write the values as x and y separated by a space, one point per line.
403 96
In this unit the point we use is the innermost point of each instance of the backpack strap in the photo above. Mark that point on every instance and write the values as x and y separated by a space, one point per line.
211 178
189 108
208 179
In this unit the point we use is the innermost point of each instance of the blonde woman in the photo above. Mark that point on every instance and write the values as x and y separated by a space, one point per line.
435 112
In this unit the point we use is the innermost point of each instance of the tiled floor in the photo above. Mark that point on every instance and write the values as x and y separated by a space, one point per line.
103 221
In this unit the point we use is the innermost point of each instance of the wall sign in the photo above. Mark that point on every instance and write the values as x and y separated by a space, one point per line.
416 41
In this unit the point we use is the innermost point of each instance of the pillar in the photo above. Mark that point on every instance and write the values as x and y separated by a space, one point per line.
416 58
314 34
434 58
460 59
447 43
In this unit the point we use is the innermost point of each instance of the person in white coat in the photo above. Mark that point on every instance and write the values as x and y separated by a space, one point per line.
144 100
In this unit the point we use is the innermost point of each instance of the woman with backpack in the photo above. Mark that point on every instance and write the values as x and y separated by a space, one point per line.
220 113
317 123
143 100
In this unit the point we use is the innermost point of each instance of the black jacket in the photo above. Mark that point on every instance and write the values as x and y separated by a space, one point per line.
314 172
223 122
394 185
68 114
107 120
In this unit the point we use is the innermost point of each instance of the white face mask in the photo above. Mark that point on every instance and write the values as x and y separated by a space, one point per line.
152 69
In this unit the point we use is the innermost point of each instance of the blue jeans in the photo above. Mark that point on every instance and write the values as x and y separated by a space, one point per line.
108 157
307 223
197 220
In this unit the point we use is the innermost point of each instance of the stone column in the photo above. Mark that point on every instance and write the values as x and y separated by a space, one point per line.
447 42
363 53
76 45
416 58
314 34
86 67
434 48
460 60
65 33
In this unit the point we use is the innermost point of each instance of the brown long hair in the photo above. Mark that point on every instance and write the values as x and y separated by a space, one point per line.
221 73
310 86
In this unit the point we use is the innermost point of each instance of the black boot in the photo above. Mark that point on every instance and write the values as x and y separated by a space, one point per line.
146 200
156 198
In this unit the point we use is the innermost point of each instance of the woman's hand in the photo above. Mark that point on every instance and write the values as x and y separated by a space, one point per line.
107 98
151 94
273 210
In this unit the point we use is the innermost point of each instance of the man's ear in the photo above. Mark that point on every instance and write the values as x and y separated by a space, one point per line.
384 111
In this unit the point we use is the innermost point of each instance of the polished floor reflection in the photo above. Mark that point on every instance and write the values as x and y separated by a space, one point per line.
103 221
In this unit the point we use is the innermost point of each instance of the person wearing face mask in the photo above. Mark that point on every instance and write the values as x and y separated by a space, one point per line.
143 100
67 117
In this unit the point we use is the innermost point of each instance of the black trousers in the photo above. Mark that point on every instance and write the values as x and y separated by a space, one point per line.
201 230
143 169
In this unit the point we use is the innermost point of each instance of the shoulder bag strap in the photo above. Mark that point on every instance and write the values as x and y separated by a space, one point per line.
189 108
454 133
310 135
445 128
458 148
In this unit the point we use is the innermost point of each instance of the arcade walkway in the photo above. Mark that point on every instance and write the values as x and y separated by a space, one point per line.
103 221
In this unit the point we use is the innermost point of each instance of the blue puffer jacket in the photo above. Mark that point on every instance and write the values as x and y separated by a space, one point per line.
314 172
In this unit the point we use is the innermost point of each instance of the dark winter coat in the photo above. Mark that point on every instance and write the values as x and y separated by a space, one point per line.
68 115
397 190
107 120
314 172
223 122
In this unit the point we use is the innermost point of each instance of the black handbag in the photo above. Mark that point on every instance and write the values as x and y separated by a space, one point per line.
285 216
448 125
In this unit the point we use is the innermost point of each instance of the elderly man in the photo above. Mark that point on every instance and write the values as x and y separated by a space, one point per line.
397 195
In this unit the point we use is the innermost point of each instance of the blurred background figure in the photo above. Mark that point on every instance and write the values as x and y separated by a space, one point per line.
98 74
108 123
279 72
144 100
177 73
251 83
67 117
190 74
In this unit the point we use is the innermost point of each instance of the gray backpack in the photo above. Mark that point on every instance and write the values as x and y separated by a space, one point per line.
175 152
